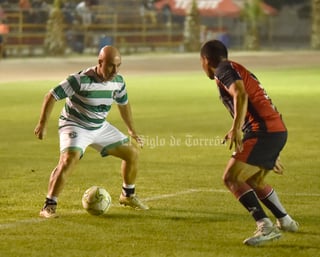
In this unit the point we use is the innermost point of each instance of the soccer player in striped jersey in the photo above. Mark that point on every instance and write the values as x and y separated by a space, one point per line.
258 134
88 96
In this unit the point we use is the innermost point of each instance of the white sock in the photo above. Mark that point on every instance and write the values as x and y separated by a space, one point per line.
264 222
128 185
285 220
54 198
128 190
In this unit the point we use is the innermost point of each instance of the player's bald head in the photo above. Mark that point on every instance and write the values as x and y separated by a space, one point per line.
108 53
109 61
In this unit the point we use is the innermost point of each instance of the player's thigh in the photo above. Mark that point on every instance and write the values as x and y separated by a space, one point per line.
239 171
258 180
109 141
127 152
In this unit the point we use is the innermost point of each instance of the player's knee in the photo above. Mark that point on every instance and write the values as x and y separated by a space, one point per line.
133 153
230 178
227 179
68 160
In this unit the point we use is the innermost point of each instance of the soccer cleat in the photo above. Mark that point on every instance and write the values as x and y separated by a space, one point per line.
49 209
262 235
132 201
287 226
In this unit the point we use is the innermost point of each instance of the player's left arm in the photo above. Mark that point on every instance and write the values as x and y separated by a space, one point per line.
240 101
126 115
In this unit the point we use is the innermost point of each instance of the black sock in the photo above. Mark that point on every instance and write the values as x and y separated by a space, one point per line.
250 201
128 191
50 201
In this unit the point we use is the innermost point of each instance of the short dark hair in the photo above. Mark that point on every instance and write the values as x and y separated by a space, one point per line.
214 51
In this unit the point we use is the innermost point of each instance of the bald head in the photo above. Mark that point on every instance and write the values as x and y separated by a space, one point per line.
109 61
108 52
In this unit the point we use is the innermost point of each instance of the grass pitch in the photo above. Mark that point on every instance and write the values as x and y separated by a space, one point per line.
181 166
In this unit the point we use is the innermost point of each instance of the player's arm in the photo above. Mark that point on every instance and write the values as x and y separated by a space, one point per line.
240 101
46 109
126 115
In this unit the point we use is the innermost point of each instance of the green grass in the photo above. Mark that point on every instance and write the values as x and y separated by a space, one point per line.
181 166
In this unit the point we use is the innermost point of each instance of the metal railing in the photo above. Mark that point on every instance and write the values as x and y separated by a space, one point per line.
136 34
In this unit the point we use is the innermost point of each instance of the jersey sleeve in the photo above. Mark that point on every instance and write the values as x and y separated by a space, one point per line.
66 88
121 95
227 75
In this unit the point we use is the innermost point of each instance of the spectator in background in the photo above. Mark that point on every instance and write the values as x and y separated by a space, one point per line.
2 13
25 7
40 11
36 11
4 30
68 9
84 17
4 3
84 13
95 2
147 11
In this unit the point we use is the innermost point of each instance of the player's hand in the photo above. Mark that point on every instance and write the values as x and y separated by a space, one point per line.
235 137
136 137
278 167
40 131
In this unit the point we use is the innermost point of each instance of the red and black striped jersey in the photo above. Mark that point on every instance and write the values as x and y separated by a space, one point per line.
262 115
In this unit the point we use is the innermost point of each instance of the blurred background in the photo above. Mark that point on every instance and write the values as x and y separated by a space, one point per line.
61 27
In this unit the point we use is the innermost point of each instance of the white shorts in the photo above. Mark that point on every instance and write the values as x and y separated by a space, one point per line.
102 139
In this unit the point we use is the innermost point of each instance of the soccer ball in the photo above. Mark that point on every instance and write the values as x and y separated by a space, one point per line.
96 200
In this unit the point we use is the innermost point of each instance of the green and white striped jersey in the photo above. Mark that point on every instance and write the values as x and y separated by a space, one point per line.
88 101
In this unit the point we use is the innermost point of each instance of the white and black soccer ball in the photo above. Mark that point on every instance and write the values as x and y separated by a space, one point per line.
96 200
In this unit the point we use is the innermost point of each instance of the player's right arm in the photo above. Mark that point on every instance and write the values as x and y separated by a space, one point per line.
240 102
46 109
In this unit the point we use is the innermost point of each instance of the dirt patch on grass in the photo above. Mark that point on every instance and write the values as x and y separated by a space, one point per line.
58 68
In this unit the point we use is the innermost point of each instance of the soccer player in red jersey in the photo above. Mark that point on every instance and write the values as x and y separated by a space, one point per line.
258 134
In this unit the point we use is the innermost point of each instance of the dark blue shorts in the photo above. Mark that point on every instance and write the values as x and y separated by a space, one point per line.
262 149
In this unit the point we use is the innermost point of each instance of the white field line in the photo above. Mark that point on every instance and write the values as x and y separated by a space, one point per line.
148 199
185 192
17 223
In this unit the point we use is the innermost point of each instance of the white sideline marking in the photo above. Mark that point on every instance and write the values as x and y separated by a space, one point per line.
20 222
185 192
148 199
190 191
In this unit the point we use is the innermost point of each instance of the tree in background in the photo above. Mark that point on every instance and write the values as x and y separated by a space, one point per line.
252 15
54 43
192 29
315 30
